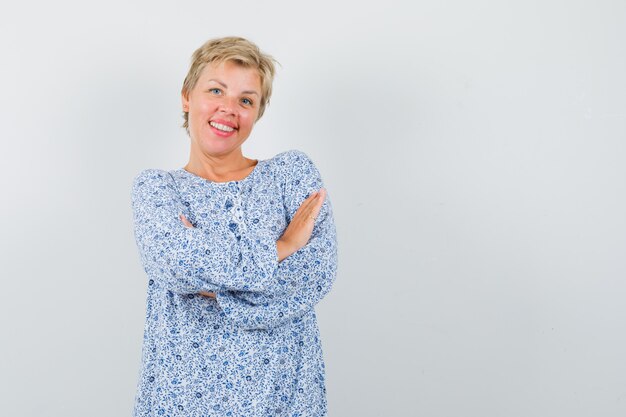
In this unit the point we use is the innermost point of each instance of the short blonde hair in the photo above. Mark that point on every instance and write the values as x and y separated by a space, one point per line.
236 49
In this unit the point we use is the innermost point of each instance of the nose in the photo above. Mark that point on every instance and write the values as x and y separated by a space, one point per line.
227 105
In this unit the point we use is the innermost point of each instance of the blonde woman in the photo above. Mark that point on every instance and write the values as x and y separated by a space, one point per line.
237 253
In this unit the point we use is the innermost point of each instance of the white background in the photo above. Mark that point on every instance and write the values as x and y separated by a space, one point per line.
474 153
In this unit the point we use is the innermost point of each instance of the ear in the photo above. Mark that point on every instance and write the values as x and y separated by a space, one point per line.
184 102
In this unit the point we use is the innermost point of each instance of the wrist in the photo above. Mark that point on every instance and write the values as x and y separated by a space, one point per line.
284 249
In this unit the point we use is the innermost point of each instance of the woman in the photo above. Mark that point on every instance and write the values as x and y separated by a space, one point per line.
237 252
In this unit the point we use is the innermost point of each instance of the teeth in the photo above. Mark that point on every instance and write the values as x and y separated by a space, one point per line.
221 127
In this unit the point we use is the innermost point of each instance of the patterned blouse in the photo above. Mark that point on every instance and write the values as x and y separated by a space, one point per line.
255 349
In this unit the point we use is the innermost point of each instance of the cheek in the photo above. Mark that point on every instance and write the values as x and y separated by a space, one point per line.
250 118
201 109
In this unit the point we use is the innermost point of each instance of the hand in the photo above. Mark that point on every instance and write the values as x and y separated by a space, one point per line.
185 221
298 232
207 294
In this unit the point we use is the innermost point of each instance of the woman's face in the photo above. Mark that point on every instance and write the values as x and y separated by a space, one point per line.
223 107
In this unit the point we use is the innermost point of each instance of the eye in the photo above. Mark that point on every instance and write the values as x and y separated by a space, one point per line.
215 90
246 101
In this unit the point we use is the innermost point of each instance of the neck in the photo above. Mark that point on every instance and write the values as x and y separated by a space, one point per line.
220 167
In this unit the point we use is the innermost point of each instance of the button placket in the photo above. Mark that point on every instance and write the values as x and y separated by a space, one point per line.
237 208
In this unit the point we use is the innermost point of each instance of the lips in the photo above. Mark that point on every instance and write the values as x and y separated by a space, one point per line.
222 128
223 125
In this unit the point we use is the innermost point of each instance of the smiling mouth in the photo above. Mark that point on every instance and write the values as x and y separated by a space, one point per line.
221 127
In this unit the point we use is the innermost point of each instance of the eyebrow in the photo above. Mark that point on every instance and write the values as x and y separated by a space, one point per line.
225 86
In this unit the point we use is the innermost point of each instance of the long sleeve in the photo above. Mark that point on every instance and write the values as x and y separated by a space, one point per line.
303 278
189 260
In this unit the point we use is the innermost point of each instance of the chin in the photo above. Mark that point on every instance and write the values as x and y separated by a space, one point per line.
210 147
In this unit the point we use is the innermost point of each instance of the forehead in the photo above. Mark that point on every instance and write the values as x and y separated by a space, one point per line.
231 73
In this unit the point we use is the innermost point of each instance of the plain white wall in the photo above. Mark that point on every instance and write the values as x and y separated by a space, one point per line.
474 152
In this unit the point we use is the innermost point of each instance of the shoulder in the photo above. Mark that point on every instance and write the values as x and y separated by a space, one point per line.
291 156
298 174
294 163
151 180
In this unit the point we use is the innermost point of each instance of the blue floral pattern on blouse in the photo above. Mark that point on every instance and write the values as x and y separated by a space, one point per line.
255 349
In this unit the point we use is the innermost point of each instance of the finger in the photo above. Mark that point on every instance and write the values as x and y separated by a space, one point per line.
322 194
307 204
309 200
314 200
319 203
186 222
207 294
